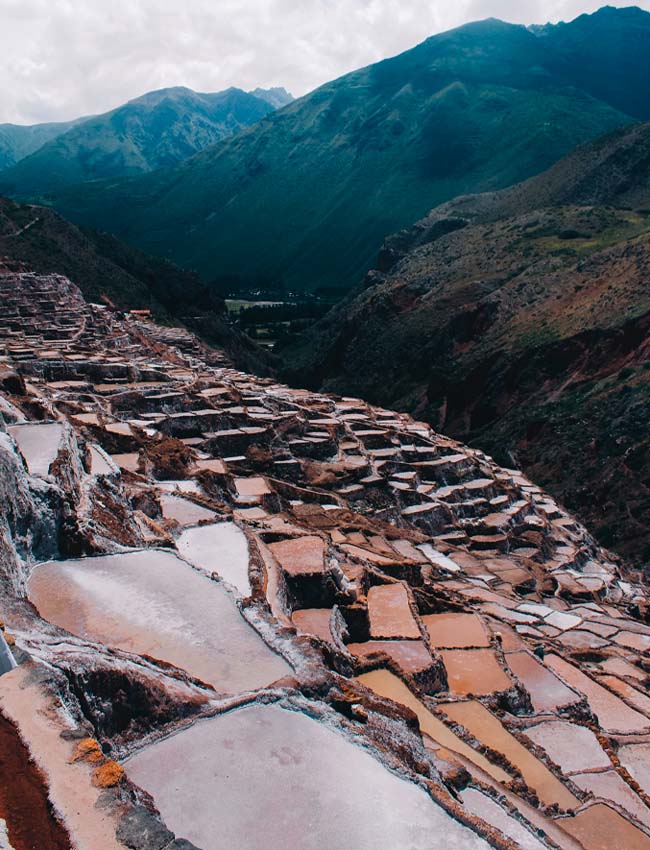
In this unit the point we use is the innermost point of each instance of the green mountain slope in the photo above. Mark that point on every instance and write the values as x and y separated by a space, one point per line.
519 321
606 54
158 129
18 141
305 197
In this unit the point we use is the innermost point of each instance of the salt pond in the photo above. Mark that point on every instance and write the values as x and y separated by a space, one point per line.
220 548
265 777
153 603
183 511
485 807
574 748
99 462
488 729
38 444
387 685
635 758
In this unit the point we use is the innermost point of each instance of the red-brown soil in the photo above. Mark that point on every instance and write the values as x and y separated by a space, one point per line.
24 803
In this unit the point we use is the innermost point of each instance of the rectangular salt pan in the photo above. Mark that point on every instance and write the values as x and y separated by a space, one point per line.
153 603
265 777
38 444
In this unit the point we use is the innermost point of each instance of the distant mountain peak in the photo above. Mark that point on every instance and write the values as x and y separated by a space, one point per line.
620 11
155 130
277 96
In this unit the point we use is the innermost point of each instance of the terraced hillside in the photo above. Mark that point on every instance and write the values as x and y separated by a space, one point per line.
236 614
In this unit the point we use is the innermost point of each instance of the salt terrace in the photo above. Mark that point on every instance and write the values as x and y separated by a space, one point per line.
263 617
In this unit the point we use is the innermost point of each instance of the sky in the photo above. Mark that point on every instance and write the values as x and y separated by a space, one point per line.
60 59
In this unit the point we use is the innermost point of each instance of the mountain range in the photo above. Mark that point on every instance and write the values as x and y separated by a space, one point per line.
158 129
304 197
518 320
18 141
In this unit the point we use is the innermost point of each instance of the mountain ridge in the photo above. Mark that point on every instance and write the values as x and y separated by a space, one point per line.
328 176
155 129
20 140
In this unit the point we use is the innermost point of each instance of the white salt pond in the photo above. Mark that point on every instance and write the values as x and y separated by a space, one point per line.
153 603
38 444
183 511
573 748
220 548
180 486
485 807
265 778
99 462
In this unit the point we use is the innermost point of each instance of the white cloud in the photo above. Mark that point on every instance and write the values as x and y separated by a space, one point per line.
63 58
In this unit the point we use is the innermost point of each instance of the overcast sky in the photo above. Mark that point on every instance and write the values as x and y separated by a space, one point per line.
63 58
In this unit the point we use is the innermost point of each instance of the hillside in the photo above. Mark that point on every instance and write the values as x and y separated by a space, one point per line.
519 321
305 197
18 141
157 129
107 270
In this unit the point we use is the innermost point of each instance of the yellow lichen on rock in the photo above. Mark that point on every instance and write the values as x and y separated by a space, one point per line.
108 774
88 750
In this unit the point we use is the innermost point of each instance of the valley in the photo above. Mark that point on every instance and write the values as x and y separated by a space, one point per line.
304 198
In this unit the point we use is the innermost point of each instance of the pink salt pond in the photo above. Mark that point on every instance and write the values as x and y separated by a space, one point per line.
474 671
211 465
153 603
613 714
38 444
411 656
313 621
128 461
183 511
608 785
631 695
547 692
630 640
452 630
390 612
488 729
251 490
485 807
599 827
300 555
265 777
635 758
387 685
100 463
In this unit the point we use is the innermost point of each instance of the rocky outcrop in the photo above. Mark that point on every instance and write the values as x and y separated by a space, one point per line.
31 518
